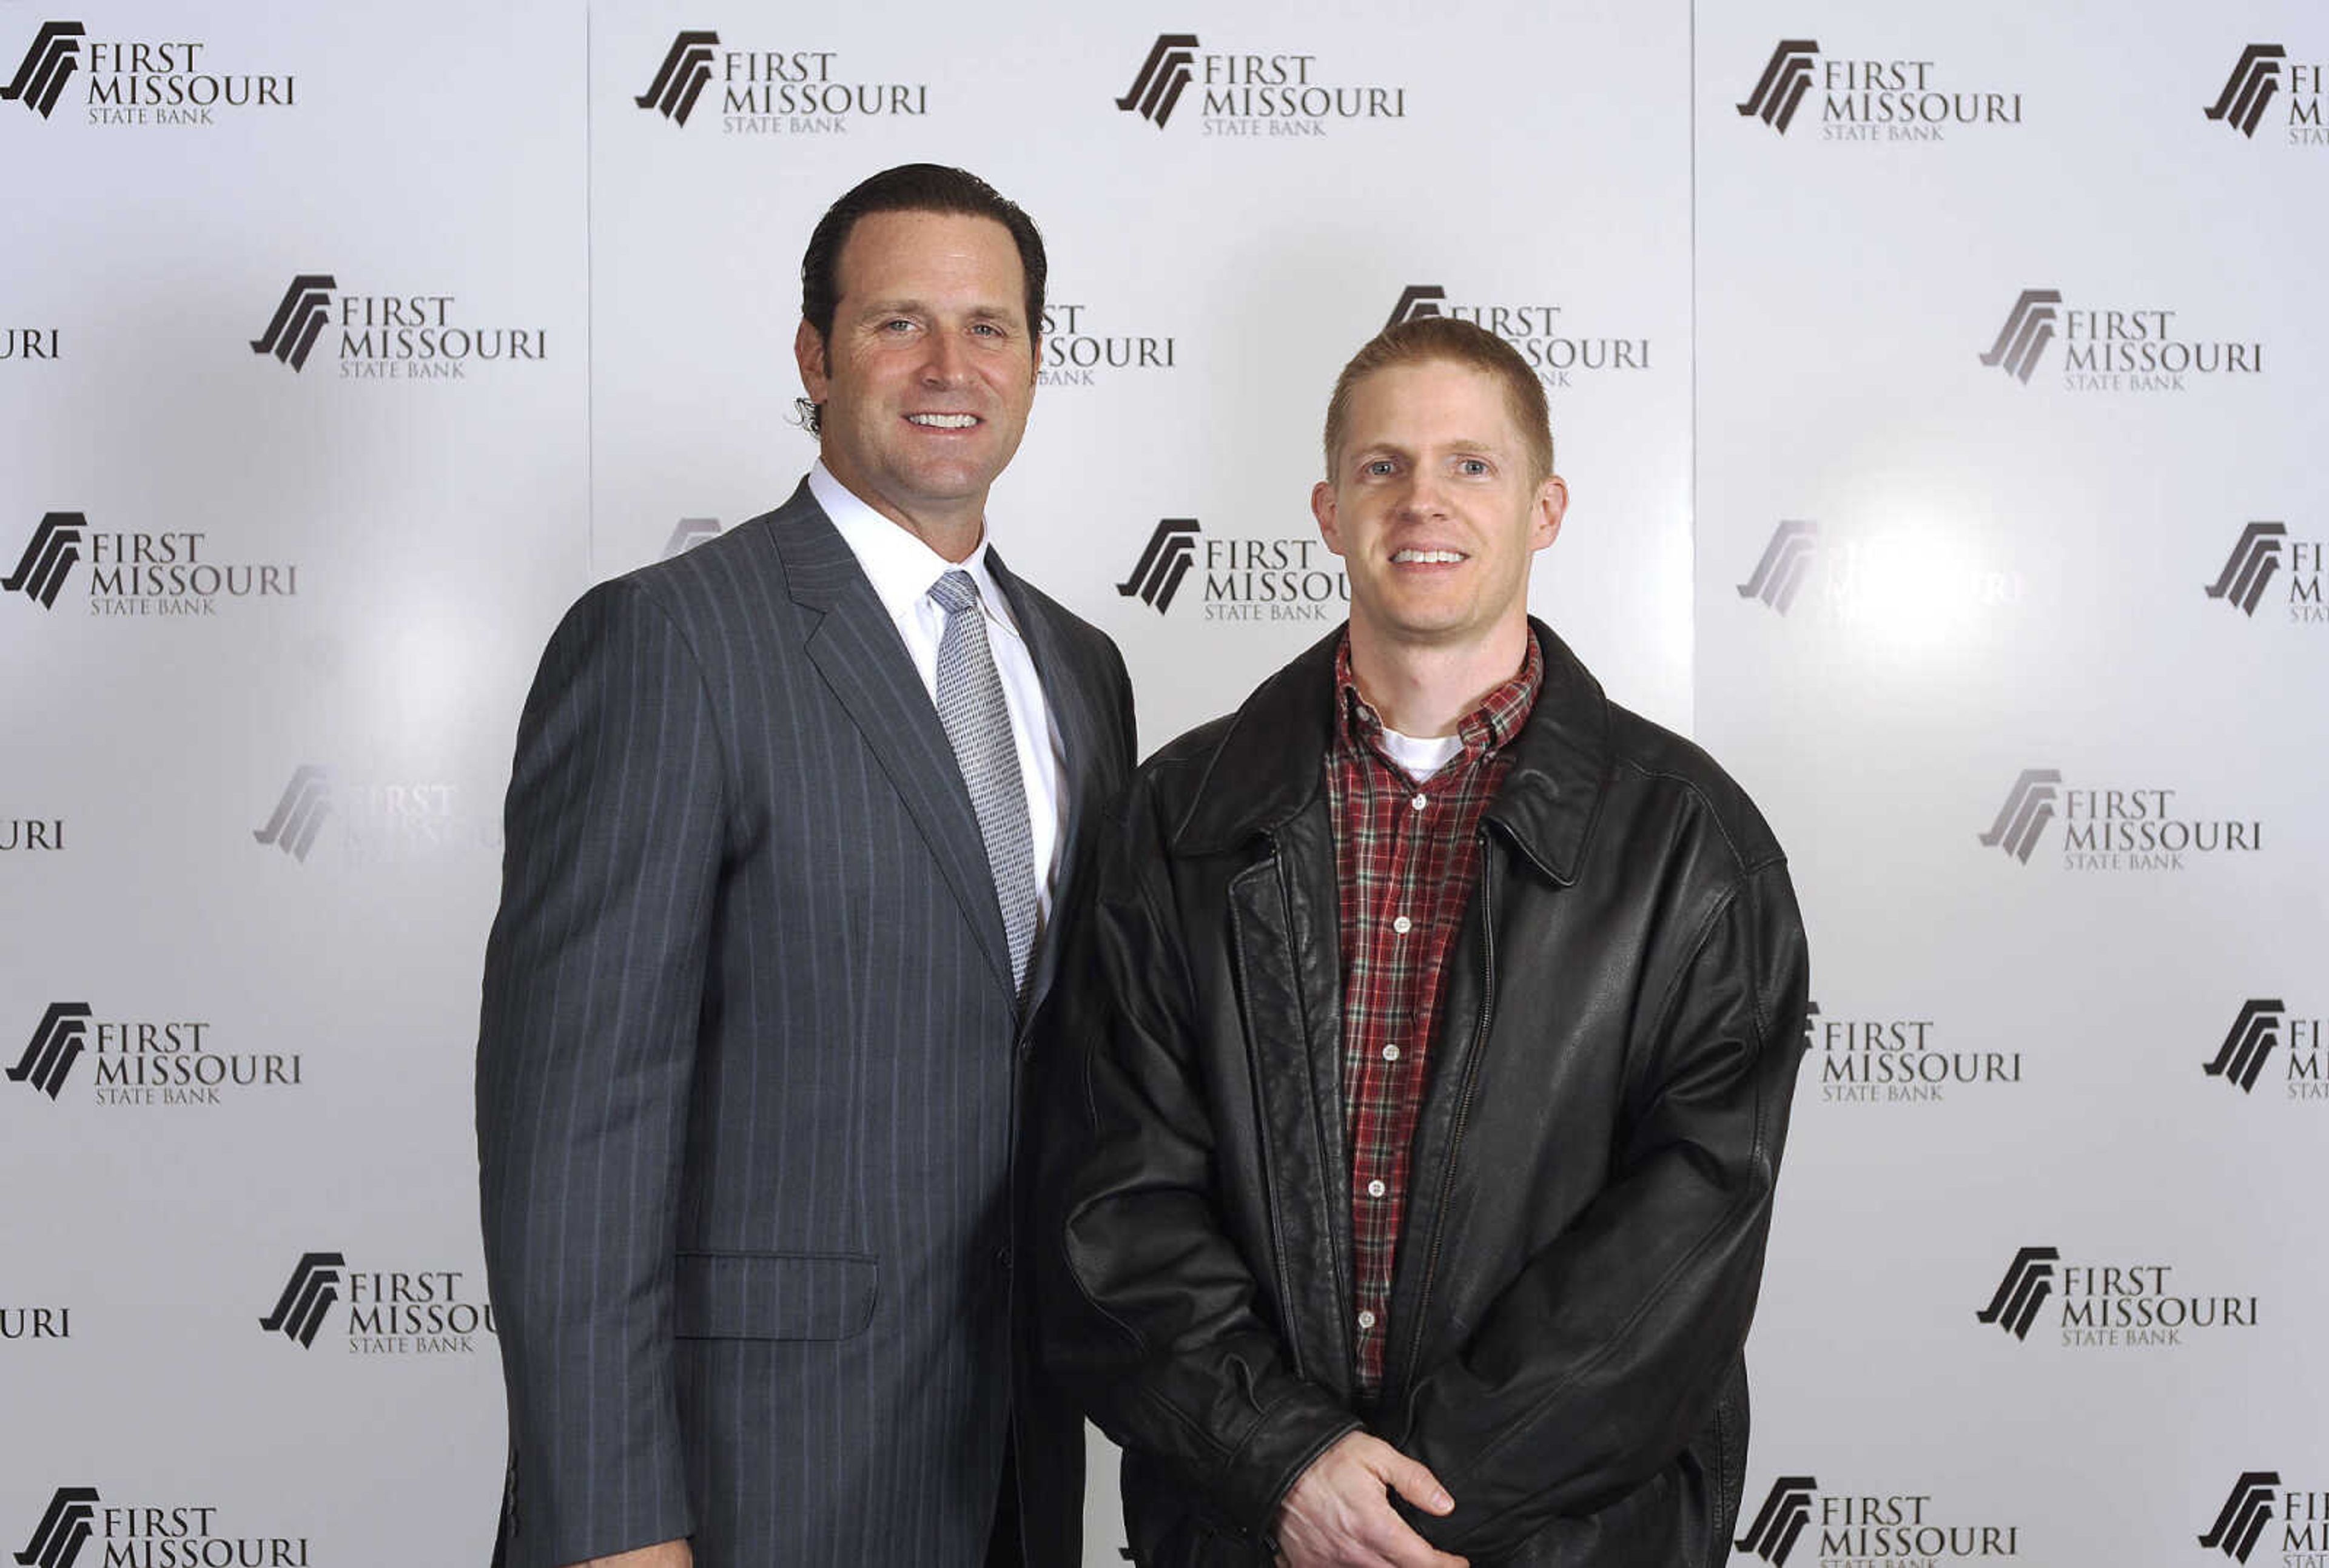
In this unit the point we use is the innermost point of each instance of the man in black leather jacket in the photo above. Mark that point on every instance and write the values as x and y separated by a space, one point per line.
1373 1252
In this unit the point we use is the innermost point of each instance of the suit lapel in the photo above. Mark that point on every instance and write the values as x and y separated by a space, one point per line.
856 650
1071 699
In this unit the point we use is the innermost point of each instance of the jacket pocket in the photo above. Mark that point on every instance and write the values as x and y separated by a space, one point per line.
773 1295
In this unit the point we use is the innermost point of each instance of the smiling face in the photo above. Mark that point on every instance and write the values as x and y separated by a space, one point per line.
1435 507
926 379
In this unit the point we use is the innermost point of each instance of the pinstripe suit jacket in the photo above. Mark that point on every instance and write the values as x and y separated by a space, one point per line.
749 1074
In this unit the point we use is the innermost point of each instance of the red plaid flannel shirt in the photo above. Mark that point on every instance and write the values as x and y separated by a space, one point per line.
1407 856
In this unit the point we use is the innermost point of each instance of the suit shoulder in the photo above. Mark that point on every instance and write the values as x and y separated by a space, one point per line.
1660 761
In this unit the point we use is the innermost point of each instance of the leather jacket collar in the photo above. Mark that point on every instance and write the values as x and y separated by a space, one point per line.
1265 769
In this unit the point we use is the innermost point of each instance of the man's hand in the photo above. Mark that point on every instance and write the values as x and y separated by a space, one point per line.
662 1554
1339 1513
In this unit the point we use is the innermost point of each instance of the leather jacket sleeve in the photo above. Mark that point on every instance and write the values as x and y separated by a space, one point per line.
1149 1305
1603 1356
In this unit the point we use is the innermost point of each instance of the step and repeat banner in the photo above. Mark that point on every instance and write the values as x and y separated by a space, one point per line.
1940 396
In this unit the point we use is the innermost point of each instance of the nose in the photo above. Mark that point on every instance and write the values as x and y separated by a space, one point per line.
946 364
1423 495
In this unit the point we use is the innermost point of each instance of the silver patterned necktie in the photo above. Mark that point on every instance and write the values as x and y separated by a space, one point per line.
971 707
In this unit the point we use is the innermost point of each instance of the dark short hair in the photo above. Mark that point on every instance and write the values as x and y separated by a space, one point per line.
910 188
1444 337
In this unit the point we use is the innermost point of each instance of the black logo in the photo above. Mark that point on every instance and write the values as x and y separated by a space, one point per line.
57 1043
1786 560
2029 807
313 1287
1170 552
2246 1513
300 814
1416 301
2253 1035
1783 1514
691 532
46 67
62 1531
2028 329
49 559
2028 1280
2247 91
1163 76
680 78
2253 562
299 320
1785 80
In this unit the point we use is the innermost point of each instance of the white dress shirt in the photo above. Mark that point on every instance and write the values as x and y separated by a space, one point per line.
903 570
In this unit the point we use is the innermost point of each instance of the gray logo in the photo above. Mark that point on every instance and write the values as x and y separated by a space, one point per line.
2246 1513
1785 1514
48 559
62 1531
1163 564
1786 79
46 67
313 1287
2028 328
1163 76
2253 562
300 814
691 532
2029 807
306 306
2247 91
680 80
2253 1035
57 1043
2028 1280
1786 560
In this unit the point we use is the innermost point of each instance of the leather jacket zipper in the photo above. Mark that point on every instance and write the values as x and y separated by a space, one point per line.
1463 1102
1277 1260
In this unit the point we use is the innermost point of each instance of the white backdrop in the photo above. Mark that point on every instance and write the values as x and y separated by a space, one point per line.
271 628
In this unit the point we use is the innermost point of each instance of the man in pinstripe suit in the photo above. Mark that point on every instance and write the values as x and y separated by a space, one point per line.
756 1001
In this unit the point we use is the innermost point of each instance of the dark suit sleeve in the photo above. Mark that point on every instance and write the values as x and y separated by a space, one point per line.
594 979
1603 1359
1149 1306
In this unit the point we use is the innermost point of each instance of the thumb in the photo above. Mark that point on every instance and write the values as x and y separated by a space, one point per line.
1419 1486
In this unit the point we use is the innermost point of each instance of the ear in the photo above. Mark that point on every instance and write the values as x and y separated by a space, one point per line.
1321 507
808 353
1551 504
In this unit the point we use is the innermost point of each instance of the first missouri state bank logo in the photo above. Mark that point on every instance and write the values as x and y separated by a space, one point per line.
1247 93
2119 828
1860 1523
2139 347
2107 1305
1290 578
1545 335
170 80
49 558
2265 1028
391 1311
1865 100
47 66
412 337
167 1534
770 92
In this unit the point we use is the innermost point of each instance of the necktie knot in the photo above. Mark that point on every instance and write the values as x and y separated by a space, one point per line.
955 592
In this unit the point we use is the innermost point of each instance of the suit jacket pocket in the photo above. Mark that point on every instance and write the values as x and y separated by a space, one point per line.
773 1295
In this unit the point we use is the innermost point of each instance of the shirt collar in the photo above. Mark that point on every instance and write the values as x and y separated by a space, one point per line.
1486 729
900 567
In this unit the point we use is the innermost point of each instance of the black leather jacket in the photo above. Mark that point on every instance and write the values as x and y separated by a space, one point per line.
1621 1020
